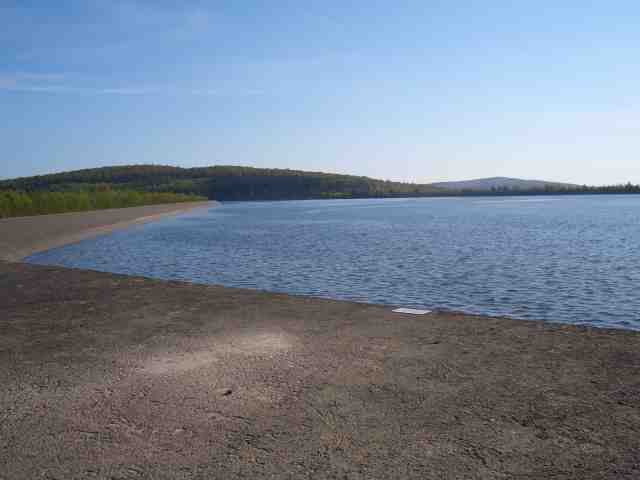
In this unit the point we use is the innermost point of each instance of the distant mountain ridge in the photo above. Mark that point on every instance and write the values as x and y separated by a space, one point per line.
500 183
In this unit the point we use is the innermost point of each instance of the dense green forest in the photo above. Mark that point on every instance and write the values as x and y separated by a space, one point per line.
221 183
246 183
16 203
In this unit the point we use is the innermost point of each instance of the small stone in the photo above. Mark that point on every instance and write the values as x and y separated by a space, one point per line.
225 392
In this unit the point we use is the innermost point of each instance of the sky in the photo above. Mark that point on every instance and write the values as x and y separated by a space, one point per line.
414 91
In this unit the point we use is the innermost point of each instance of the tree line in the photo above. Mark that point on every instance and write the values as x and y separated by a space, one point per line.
552 190
246 183
222 182
16 203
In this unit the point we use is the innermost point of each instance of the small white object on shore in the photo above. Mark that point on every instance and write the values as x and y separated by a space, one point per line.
412 311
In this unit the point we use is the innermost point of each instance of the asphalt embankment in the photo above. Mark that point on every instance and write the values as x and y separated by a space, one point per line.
23 236
109 376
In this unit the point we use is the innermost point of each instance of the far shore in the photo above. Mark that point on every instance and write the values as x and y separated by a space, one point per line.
24 236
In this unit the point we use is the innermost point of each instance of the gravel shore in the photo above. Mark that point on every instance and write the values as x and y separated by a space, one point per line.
113 377
23 236
107 376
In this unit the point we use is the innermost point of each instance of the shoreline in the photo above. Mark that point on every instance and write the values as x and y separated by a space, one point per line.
24 236
113 376
106 373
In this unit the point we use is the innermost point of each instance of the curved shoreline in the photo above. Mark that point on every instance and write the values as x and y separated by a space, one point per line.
175 379
24 236
180 380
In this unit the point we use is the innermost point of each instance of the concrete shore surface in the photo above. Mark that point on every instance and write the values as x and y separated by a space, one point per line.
113 377
23 236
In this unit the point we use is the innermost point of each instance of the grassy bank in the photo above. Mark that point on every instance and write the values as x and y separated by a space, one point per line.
19 204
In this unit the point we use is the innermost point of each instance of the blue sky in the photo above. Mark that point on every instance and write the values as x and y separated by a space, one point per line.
415 90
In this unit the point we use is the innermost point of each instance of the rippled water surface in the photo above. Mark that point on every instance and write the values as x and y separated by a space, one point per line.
571 259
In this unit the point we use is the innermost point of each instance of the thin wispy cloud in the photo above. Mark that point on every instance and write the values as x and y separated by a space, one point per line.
60 84
108 28
17 79
144 15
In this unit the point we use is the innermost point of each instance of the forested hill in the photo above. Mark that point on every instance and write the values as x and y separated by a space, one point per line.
220 183
247 183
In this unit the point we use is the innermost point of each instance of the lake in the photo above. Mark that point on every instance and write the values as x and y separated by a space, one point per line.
573 259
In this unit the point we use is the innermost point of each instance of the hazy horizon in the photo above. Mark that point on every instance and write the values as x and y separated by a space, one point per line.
409 93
